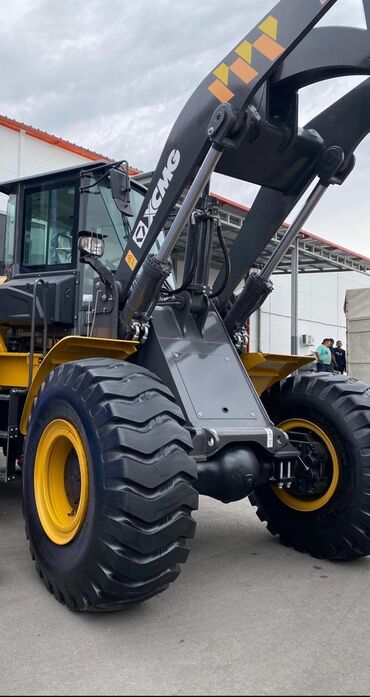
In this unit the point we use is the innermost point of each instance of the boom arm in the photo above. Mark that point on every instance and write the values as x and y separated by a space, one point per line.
236 80
345 125
325 53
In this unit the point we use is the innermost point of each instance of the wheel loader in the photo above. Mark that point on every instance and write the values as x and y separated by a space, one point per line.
126 394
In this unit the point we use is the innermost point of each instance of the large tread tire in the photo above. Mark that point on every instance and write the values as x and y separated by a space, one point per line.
341 407
142 486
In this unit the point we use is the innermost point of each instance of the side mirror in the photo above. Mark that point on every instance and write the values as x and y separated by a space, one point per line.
91 244
121 189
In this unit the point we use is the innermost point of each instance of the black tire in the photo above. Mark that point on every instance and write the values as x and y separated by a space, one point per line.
141 486
340 406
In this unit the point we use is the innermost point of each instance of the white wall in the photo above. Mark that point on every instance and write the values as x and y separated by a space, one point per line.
320 307
22 155
321 310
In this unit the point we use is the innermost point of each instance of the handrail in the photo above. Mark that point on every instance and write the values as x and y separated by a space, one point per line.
39 282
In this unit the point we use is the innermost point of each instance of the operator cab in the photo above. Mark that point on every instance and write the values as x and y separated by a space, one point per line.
39 244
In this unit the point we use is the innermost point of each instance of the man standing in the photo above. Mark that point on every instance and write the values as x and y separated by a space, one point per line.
324 357
334 365
340 357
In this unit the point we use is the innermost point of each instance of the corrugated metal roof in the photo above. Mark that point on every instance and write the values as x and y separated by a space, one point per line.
316 254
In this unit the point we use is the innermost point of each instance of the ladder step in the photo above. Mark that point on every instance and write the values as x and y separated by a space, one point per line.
3 435
4 397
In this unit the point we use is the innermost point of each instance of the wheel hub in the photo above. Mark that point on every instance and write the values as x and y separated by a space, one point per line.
315 475
311 472
72 480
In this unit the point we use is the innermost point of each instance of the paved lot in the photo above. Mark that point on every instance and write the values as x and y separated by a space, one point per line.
247 616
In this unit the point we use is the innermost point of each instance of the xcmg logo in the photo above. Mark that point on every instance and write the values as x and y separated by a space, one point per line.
142 229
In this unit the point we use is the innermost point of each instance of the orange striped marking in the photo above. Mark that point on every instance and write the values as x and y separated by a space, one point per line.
221 92
244 71
268 47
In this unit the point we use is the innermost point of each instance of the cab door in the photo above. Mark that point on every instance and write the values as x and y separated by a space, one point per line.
41 245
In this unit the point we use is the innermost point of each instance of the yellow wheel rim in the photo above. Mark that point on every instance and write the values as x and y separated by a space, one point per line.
61 510
308 504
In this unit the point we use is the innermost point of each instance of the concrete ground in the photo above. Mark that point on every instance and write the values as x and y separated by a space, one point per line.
246 617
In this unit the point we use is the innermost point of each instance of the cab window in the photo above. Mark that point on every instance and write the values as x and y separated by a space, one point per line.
104 219
9 241
49 226
7 233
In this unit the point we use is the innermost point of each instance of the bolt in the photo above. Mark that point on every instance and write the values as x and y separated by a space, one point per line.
176 355
211 442
200 413
211 131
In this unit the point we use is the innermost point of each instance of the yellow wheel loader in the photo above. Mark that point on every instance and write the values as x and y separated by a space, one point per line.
123 395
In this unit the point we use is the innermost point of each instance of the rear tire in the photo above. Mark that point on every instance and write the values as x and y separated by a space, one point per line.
135 532
339 407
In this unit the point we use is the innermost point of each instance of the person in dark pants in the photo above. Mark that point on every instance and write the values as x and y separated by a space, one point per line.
324 357
333 359
340 357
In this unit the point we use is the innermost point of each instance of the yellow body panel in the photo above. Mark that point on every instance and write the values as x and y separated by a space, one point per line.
2 340
71 348
266 369
14 368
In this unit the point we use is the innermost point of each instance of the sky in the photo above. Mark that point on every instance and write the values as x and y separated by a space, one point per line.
113 75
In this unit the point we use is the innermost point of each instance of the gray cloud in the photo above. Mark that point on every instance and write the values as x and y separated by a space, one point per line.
113 75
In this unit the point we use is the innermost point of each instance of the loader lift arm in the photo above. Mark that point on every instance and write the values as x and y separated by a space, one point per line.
235 81
254 136
345 125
